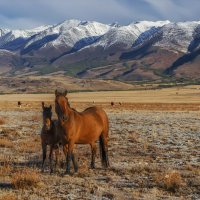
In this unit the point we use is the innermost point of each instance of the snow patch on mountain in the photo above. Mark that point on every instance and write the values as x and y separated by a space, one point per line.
3 31
177 36
125 36
83 31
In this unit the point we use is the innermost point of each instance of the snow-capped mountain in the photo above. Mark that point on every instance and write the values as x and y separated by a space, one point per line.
178 36
88 43
78 34
3 32
13 39
124 37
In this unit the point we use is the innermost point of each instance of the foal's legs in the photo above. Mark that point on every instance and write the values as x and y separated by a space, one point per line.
94 150
57 152
44 153
50 158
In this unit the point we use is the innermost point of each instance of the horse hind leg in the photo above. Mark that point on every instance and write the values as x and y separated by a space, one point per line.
103 142
94 150
74 160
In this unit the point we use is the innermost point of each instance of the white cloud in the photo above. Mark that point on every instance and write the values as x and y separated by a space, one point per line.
31 13
177 10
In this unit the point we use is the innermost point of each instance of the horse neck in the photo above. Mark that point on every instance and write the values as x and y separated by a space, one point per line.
71 113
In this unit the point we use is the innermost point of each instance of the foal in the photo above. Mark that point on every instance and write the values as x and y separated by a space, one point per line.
82 128
49 136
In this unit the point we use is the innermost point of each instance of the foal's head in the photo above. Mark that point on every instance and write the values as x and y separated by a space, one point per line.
47 114
62 106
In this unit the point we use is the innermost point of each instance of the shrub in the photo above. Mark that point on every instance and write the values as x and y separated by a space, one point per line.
5 169
25 179
170 181
8 197
2 121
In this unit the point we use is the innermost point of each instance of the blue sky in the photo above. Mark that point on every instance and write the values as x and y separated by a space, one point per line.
32 13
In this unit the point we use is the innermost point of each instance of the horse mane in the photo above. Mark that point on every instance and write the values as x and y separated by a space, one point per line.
70 106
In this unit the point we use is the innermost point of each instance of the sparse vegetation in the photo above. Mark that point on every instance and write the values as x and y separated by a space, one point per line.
147 140
9 196
2 121
171 180
144 168
25 179
4 142
29 146
5 169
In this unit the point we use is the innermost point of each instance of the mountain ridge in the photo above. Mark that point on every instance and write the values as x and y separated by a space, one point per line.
81 47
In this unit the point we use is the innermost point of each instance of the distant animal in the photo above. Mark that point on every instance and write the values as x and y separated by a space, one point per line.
19 104
120 103
82 128
49 136
112 103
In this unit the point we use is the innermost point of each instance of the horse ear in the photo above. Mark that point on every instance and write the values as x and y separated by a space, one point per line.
43 105
65 93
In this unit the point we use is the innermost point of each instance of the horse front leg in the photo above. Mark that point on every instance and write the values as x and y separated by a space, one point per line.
44 153
69 156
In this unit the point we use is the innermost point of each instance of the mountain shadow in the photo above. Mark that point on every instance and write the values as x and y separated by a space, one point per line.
39 43
77 46
15 44
142 44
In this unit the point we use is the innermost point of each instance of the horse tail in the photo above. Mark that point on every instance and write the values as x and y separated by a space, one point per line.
103 151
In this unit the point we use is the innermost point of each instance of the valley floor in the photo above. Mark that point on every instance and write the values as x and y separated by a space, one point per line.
154 154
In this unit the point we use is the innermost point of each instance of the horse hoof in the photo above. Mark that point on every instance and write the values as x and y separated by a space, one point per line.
67 172
75 169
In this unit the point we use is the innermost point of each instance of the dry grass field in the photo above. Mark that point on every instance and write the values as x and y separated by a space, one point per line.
154 148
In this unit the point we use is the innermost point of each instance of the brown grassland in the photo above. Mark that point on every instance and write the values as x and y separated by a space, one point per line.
154 147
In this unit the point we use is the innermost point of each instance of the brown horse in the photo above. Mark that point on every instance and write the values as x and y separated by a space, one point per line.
49 136
82 128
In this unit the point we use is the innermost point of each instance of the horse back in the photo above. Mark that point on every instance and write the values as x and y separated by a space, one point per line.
95 115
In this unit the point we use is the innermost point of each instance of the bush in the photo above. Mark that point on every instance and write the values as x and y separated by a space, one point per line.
170 181
8 197
2 121
25 179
